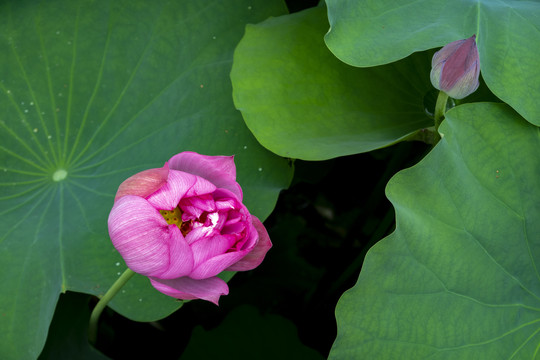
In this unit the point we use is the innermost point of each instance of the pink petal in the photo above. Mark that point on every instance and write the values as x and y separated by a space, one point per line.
256 256
196 234
144 183
196 205
222 259
461 61
446 51
435 74
225 204
188 289
467 84
212 226
219 170
217 264
233 227
222 194
456 67
147 243
181 258
209 247
179 185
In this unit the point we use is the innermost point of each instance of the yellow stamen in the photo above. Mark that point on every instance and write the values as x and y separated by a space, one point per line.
172 216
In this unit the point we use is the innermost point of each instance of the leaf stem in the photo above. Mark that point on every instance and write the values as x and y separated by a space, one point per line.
440 109
103 301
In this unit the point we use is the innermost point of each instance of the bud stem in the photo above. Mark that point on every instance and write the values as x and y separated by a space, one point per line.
103 301
440 109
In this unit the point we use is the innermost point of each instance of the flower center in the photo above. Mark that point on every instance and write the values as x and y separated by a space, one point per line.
174 217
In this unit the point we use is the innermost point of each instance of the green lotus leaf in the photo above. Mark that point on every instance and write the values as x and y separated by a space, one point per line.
92 92
301 102
458 279
375 32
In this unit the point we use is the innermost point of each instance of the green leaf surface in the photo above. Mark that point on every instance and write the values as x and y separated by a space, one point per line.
459 277
375 32
92 92
301 102
262 337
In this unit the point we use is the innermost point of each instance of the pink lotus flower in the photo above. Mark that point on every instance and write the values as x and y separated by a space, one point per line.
456 67
184 223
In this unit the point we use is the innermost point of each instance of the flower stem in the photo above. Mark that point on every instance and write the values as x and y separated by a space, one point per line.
440 109
103 301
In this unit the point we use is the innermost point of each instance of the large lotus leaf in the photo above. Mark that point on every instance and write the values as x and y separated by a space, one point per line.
92 92
374 32
302 102
458 279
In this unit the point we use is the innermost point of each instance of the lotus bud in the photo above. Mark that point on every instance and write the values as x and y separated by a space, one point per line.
456 67
184 223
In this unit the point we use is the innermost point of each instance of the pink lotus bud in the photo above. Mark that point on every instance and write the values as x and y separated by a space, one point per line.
456 67
183 224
